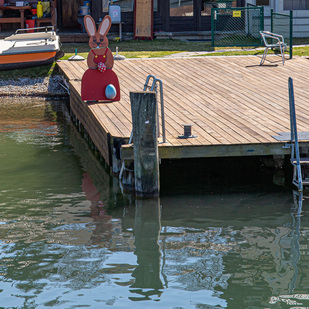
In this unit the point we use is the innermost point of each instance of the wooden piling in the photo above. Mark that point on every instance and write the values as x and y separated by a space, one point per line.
146 157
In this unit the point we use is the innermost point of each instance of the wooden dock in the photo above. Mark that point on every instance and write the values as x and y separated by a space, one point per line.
235 105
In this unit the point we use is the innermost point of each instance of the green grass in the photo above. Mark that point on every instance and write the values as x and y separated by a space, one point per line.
148 49
141 49
140 45
131 54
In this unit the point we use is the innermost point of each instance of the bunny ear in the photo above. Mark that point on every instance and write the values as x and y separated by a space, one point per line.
105 25
90 25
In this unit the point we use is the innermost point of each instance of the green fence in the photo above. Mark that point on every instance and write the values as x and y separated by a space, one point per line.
237 26
283 24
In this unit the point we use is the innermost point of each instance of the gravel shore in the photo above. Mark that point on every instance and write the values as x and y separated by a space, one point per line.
35 87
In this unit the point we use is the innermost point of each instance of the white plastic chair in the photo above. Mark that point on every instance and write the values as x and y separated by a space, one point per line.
268 39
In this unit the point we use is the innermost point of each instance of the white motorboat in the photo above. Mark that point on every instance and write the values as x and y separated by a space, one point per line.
28 49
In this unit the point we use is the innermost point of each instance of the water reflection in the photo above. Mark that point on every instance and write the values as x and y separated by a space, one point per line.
254 257
69 238
298 198
295 249
147 231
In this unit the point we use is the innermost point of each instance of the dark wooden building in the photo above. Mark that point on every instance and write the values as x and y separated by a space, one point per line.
168 15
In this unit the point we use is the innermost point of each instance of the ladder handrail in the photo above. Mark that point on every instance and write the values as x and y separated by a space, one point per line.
294 136
153 87
147 81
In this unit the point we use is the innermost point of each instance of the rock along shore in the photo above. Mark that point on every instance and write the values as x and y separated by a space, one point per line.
34 87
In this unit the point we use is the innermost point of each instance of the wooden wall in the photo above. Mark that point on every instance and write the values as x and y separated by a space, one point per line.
68 10
67 17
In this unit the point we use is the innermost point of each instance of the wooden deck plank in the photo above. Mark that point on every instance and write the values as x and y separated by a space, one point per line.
253 109
173 94
79 69
135 82
107 118
202 108
231 101
227 114
117 118
70 70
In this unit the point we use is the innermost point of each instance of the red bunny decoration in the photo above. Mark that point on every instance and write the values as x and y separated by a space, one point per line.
99 82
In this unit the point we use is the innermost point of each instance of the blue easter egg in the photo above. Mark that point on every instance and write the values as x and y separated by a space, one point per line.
110 92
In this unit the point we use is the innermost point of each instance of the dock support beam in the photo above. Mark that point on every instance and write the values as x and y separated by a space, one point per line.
145 132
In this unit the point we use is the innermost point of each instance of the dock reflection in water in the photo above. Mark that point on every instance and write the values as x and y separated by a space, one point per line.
69 238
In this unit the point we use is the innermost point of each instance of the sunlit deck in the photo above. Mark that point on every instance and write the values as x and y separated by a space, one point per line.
235 105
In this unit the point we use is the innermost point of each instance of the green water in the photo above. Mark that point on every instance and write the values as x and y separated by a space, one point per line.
69 238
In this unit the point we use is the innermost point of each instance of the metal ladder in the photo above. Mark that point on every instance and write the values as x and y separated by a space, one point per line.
151 87
154 87
299 179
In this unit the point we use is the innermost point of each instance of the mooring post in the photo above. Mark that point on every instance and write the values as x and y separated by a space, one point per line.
146 157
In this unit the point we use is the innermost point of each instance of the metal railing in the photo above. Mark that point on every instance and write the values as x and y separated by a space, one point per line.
154 87
45 28
295 156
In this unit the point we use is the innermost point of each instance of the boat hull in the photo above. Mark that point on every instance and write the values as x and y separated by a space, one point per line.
10 62
22 50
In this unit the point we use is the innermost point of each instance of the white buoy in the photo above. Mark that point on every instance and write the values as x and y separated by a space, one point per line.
76 57
118 57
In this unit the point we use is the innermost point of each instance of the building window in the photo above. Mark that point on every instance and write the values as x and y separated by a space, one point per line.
181 7
155 5
207 5
296 5
125 5
262 2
